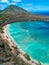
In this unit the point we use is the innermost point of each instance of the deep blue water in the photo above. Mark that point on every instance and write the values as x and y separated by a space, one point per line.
42 13
32 38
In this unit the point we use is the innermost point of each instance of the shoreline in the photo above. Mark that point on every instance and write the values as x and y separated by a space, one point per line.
15 44
18 46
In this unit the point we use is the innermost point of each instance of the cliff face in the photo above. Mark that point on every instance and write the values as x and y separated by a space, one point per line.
14 14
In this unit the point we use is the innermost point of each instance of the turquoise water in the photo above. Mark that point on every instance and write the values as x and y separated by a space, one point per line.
32 38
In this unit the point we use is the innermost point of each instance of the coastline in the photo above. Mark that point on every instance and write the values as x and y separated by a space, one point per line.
14 44
18 46
14 41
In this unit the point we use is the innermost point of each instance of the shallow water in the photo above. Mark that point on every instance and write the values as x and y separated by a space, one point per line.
32 38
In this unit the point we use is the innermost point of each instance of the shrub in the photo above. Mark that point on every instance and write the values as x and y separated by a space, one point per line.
27 56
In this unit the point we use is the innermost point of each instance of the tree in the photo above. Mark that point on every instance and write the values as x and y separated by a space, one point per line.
27 56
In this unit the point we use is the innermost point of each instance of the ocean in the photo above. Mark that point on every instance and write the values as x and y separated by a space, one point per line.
33 38
42 13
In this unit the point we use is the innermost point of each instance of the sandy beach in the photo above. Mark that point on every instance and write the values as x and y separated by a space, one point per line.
7 37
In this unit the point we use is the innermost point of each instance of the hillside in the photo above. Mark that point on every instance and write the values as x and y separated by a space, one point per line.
12 9
14 13
9 15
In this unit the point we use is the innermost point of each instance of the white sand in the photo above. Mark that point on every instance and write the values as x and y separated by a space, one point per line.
11 43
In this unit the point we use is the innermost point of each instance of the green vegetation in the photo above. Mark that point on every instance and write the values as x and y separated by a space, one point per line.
4 49
14 13
19 61
15 47
6 54
27 56
9 15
